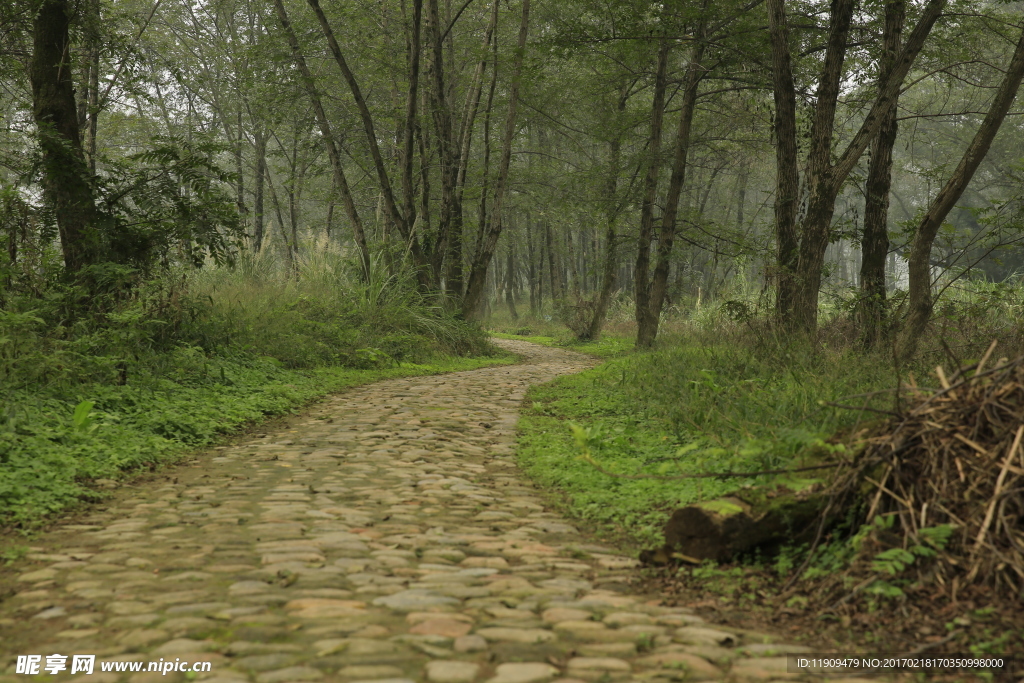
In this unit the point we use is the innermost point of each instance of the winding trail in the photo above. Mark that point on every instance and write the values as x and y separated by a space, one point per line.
386 536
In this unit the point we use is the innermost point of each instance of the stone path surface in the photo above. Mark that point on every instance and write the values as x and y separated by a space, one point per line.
387 536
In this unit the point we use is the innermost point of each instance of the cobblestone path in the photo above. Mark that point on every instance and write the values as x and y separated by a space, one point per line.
387 536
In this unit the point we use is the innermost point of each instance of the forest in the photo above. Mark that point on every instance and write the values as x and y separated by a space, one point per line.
792 231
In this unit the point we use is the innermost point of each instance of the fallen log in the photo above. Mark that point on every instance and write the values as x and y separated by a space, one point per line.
787 511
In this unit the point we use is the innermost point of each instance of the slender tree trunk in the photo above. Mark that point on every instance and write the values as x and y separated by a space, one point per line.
325 131
611 238
919 262
875 240
239 167
289 255
259 179
478 270
531 267
510 281
454 258
66 177
486 170
647 328
557 286
643 254
383 178
574 272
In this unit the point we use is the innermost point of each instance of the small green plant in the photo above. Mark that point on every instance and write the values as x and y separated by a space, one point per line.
84 422
13 554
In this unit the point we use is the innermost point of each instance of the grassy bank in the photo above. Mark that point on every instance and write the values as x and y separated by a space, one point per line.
179 361
708 403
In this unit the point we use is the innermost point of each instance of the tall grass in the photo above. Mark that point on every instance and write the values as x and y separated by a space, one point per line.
323 313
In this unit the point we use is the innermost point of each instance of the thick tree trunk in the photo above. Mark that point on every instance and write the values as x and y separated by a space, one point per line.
647 329
875 240
66 176
325 131
478 270
919 262
817 223
797 298
643 251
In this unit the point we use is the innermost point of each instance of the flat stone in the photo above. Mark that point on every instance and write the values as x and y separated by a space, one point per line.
370 671
603 665
473 643
516 635
485 562
142 637
451 628
441 671
51 613
627 618
762 669
38 575
412 600
694 666
611 649
324 608
697 635
525 672
559 614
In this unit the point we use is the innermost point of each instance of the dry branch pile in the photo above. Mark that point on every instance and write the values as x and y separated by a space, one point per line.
953 456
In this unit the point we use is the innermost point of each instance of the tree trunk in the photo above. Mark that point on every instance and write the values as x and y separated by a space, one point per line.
574 272
531 266
787 174
325 131
919 262
510 281
611 237
817 224
259 180
875 240
647 329
555 277
643 253
66 177
797 298
478 270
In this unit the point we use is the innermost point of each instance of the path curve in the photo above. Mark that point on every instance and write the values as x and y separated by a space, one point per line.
386 536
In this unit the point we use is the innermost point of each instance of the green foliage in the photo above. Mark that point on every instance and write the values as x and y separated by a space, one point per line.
169 204
693 408
175 363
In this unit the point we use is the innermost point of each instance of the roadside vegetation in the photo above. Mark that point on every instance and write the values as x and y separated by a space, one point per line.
184 359
722 394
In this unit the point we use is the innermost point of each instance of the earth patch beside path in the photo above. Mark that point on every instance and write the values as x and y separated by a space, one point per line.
387 536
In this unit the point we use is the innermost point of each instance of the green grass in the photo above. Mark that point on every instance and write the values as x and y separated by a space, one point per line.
693 408
50 454
176 362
